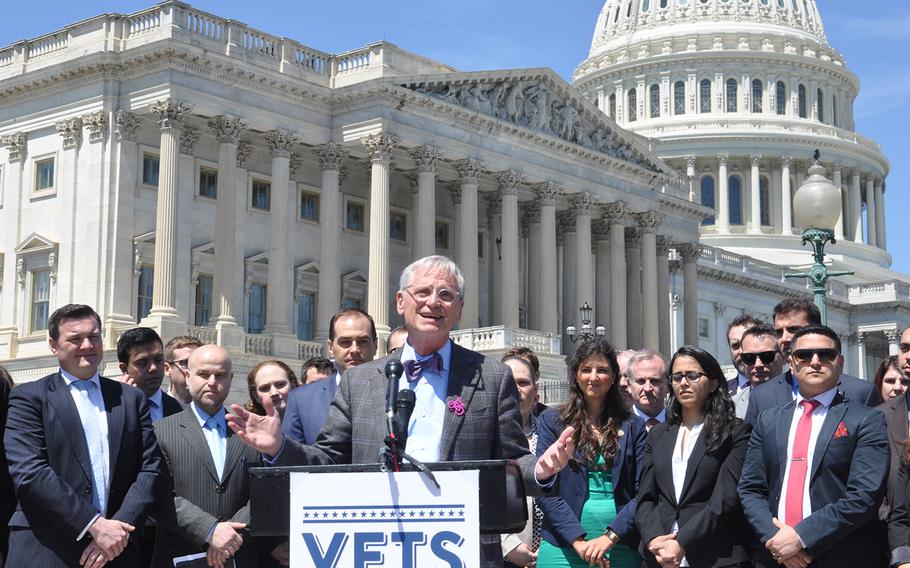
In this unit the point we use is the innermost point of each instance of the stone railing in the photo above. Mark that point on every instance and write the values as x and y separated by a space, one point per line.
203 334
501 338
256 344
307 349
553 391
874 292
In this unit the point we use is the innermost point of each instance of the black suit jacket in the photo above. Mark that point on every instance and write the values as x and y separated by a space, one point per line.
712 528
899 517
847 481
307 409
170 405
895 411
50 466
7 493
778 391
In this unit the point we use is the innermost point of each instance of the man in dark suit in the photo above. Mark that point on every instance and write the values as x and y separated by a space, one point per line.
896 413
789 317
352 342
816 468
735 332
7 492
208 507
141 356
82 455
430 297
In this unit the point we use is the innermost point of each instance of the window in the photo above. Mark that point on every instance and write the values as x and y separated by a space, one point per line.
707 197
757 93
654 95
820 102
663 3
735 191
144 291
355 216
41 300
732 94
679 98
704 327
781 98
309 206
44 174
261 195
645 5
306 316
208 183
349 302
612 100
204 299
256 314
704 96
802 101
764 200
398 226
633 105
442 235
150 169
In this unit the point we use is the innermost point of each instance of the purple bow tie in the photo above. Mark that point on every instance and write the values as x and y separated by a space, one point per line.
415 369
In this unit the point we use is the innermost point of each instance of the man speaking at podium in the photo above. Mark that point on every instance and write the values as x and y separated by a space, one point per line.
466 404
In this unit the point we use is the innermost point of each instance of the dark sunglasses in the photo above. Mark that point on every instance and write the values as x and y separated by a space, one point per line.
804 356
766 357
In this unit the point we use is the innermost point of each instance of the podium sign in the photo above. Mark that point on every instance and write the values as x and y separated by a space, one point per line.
384 519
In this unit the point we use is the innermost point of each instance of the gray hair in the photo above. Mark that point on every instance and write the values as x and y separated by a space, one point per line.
647 355
437 262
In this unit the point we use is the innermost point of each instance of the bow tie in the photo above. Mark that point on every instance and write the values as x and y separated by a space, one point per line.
415 369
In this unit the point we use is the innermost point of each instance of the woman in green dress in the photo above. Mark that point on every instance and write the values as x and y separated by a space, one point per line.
589 518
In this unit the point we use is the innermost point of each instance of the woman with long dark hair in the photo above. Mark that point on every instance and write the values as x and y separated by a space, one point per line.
589 520
688 506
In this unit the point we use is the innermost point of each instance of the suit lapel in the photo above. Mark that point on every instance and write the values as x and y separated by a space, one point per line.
233 453
782 426
463 379
663 453
832 420
620 459
113 405
60 398
192 434
898 424
698 453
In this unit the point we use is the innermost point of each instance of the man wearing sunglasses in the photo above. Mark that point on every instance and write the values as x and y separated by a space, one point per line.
760 359
819 504
789 317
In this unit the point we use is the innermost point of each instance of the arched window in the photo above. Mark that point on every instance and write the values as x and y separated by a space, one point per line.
765 200
633 105
780 4
781 98
629 9
663 3
732 93
707 197
654 100
802 101
820 102
704 96
834 120
679 98
612 101
645 5
735 191
757 93
616 15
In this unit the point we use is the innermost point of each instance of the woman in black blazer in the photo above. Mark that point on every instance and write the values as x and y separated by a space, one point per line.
688 506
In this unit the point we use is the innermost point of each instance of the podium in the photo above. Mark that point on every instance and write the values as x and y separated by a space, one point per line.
503 508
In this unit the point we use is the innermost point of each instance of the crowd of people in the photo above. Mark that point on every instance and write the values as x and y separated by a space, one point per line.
652 459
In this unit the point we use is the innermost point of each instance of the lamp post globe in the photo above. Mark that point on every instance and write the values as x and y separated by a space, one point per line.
817 202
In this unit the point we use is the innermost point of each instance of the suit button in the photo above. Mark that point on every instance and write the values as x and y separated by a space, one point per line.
88 490
219 489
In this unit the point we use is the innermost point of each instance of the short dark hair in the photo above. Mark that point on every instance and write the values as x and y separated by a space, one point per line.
69 312
133 338
351 312
5 377
322 365
522 361
816 330
527 354
180 342
747 320
760 330
791 305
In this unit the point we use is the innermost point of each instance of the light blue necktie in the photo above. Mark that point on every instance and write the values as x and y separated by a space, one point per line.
216 443
95 441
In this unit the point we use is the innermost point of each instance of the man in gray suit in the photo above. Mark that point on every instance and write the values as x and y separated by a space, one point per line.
487 424
208 506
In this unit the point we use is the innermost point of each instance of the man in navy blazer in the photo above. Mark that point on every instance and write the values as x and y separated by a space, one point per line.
76 505
352 341
789 317
816 468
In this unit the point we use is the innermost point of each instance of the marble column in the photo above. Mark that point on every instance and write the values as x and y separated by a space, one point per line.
856 210
379 295
425 210
565 223
837 179
495 257
861 355
283 200
786 201
170 115
469 170
328 300
689 254
615 215
633 288
531 220
509 297
871 214
648 222
723 195
755 196
690 178
584 283
454 190
600 231
546 194
663 293
879 215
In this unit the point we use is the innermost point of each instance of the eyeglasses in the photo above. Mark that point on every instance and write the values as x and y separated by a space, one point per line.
805 356
766 357
690 376
444 295
181 363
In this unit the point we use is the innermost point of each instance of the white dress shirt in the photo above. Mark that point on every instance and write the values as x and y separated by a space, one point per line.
682 451
425 427
818 418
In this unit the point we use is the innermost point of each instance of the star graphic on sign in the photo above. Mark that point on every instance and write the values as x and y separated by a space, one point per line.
382 515
413 513
461 513
335 515
430 513
363 514
422 514
451 513
344 515
325 515
306 515
373 514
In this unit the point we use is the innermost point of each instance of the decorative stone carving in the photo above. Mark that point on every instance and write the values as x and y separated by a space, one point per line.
20 272
188 139
15 145
583 202
343 174
125 125
52 264
426 158
663 245
280 142
547 192
97 126
633 237
509 181
413 180
455 194
860 337
243 153
332 155
649 221
228 128
688 252
170 113
566 220
70 129
380 146
615 212
722 159
719 309
137 261
892 335
600 230
295 164
469 169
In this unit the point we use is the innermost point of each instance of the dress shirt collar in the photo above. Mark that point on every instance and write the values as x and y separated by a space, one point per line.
661 416
825 398
203 417
70 379
742 380
408 354
156 398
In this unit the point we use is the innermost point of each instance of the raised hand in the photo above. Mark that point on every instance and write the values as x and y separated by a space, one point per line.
557 455
262 433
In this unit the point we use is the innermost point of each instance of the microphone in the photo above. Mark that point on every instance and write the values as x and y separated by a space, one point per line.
404 406
393 370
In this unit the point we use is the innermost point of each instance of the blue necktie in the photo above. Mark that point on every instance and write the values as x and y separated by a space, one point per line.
216 444
415 369
93 437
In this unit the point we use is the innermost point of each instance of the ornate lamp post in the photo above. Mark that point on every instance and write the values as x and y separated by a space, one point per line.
585 332
817 207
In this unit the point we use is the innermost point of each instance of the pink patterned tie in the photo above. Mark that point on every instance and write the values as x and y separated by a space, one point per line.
793 511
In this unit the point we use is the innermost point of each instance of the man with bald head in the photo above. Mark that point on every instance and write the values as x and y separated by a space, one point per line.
204 462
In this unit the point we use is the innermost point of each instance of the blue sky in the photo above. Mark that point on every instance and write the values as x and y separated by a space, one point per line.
480 34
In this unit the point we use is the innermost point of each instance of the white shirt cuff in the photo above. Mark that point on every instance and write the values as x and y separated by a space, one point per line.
87 527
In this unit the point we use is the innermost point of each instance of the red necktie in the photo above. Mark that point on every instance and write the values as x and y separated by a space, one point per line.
799 465
652 422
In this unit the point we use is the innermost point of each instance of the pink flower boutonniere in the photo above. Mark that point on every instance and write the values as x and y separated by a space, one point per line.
841 431
456 405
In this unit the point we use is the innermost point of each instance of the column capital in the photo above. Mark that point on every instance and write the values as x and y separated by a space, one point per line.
125 125
687 251
723 158
469 169
786 161
15 145
243 153
547 192
648 221
663 245
96 122
583 202
509 181
171 113
188 139
860 337
227 128
332 155
616 212
380 146
879 182
70 129
892 335
754 159
690 161
719 308
426 157
280 142
633 237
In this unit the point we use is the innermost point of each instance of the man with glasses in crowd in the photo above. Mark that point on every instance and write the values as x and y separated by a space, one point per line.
177 353
760 359
789 317
647 370
735 332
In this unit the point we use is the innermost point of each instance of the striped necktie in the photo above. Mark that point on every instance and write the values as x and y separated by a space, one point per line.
88 412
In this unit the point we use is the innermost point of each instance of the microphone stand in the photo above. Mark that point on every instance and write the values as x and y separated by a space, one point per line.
393 452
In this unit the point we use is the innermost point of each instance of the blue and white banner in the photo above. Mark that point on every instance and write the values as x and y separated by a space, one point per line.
385 519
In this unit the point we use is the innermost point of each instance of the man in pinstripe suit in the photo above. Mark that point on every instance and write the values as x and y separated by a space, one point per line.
466 404
205 467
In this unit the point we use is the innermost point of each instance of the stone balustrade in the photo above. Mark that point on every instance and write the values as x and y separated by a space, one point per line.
875 292
486 339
